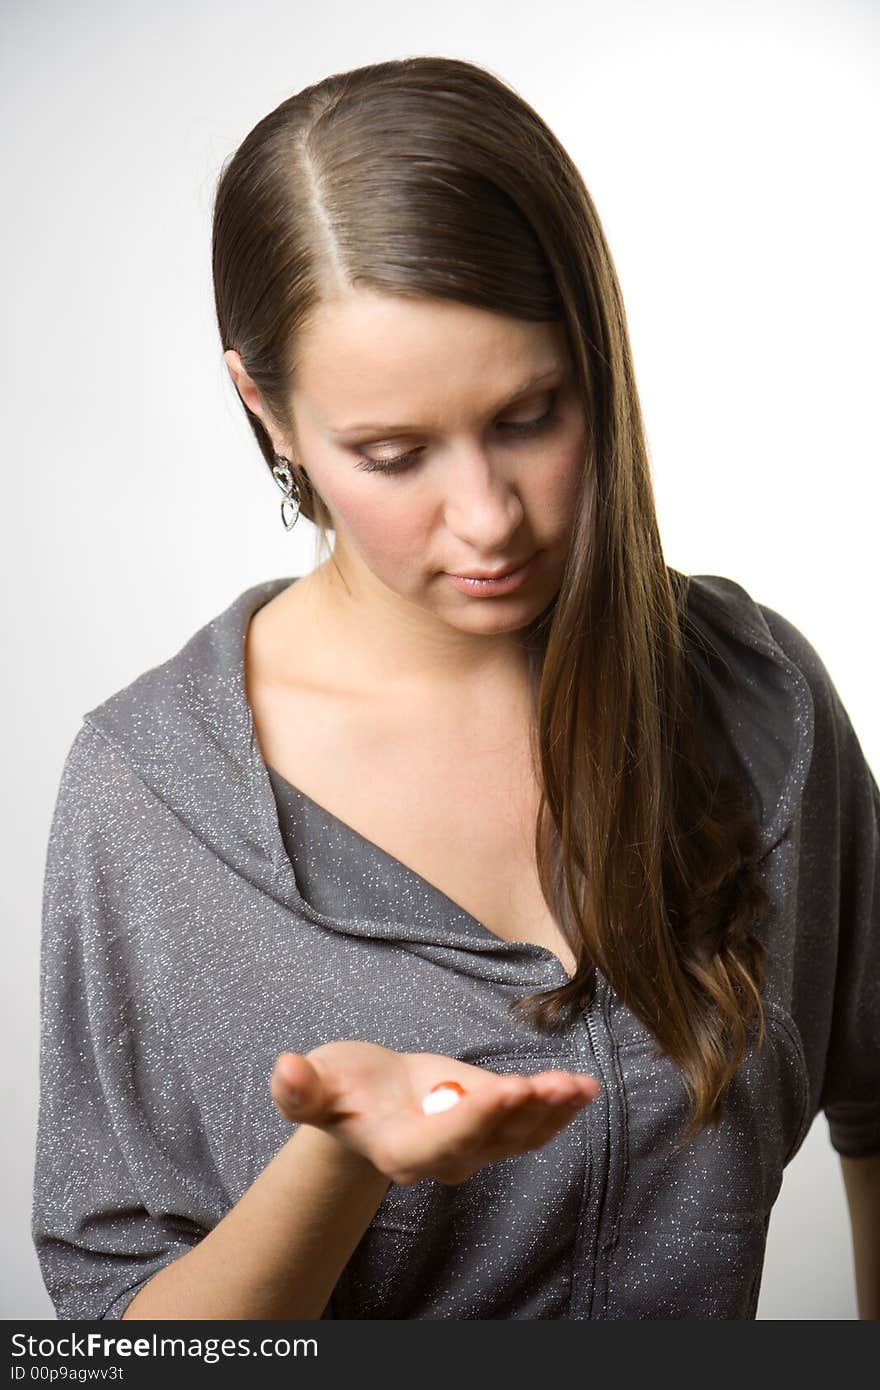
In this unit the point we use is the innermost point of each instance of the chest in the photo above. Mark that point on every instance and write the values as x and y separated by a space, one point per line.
455 801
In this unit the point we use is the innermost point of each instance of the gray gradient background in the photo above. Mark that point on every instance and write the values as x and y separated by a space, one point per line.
728 149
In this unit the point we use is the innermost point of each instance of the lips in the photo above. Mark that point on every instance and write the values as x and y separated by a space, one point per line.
494 574
503 581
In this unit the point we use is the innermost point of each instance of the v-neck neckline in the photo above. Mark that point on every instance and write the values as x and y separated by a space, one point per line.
424 884
229 635
386 855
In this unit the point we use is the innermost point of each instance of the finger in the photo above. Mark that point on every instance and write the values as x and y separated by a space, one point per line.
545 1088
556 1118
521 1126
513 1092
521 1108
297 1088
556 1086
541 1106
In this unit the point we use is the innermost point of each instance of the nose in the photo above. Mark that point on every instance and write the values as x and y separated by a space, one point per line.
482 506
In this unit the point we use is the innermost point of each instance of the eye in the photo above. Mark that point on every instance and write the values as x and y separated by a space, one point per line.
404 461
396 465
529 426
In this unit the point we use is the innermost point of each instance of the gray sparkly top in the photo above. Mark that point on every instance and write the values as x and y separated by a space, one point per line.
201 915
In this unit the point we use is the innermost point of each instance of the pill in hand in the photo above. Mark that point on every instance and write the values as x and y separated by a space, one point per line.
442 1097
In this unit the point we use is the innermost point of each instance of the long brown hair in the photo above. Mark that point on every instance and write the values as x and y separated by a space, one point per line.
429 176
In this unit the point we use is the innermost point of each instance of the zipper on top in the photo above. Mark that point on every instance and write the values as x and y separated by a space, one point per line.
589 1018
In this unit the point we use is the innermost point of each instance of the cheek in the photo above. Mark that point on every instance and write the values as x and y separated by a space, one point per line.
381 521
558 482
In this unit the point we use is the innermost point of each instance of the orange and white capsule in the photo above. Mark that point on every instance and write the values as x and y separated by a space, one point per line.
442 1097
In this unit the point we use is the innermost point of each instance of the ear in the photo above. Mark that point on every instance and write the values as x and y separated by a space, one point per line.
242 382
250 397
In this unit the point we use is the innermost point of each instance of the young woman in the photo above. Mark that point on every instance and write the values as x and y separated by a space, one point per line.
490 797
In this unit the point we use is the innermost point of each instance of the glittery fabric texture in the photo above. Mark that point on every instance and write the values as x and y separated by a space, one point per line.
201 915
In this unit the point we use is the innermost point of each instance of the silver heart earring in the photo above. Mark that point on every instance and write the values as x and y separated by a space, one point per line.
285 480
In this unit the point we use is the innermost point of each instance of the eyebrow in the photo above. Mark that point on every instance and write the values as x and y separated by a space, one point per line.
534 380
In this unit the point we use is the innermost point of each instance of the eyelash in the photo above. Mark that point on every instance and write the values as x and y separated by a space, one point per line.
405 461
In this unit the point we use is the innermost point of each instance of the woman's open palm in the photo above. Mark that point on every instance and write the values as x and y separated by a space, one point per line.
370 1098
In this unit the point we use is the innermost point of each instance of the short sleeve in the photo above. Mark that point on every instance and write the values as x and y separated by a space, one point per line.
840 885
850 1095
123 1179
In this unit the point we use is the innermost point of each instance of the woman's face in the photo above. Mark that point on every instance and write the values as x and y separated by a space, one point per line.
417 424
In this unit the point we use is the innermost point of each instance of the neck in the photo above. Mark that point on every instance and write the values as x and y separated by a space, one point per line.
389 646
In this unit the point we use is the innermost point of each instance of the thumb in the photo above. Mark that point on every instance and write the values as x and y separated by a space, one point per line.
296 1087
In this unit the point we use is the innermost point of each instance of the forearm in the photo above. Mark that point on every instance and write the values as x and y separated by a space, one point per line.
280 1250
861 1178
